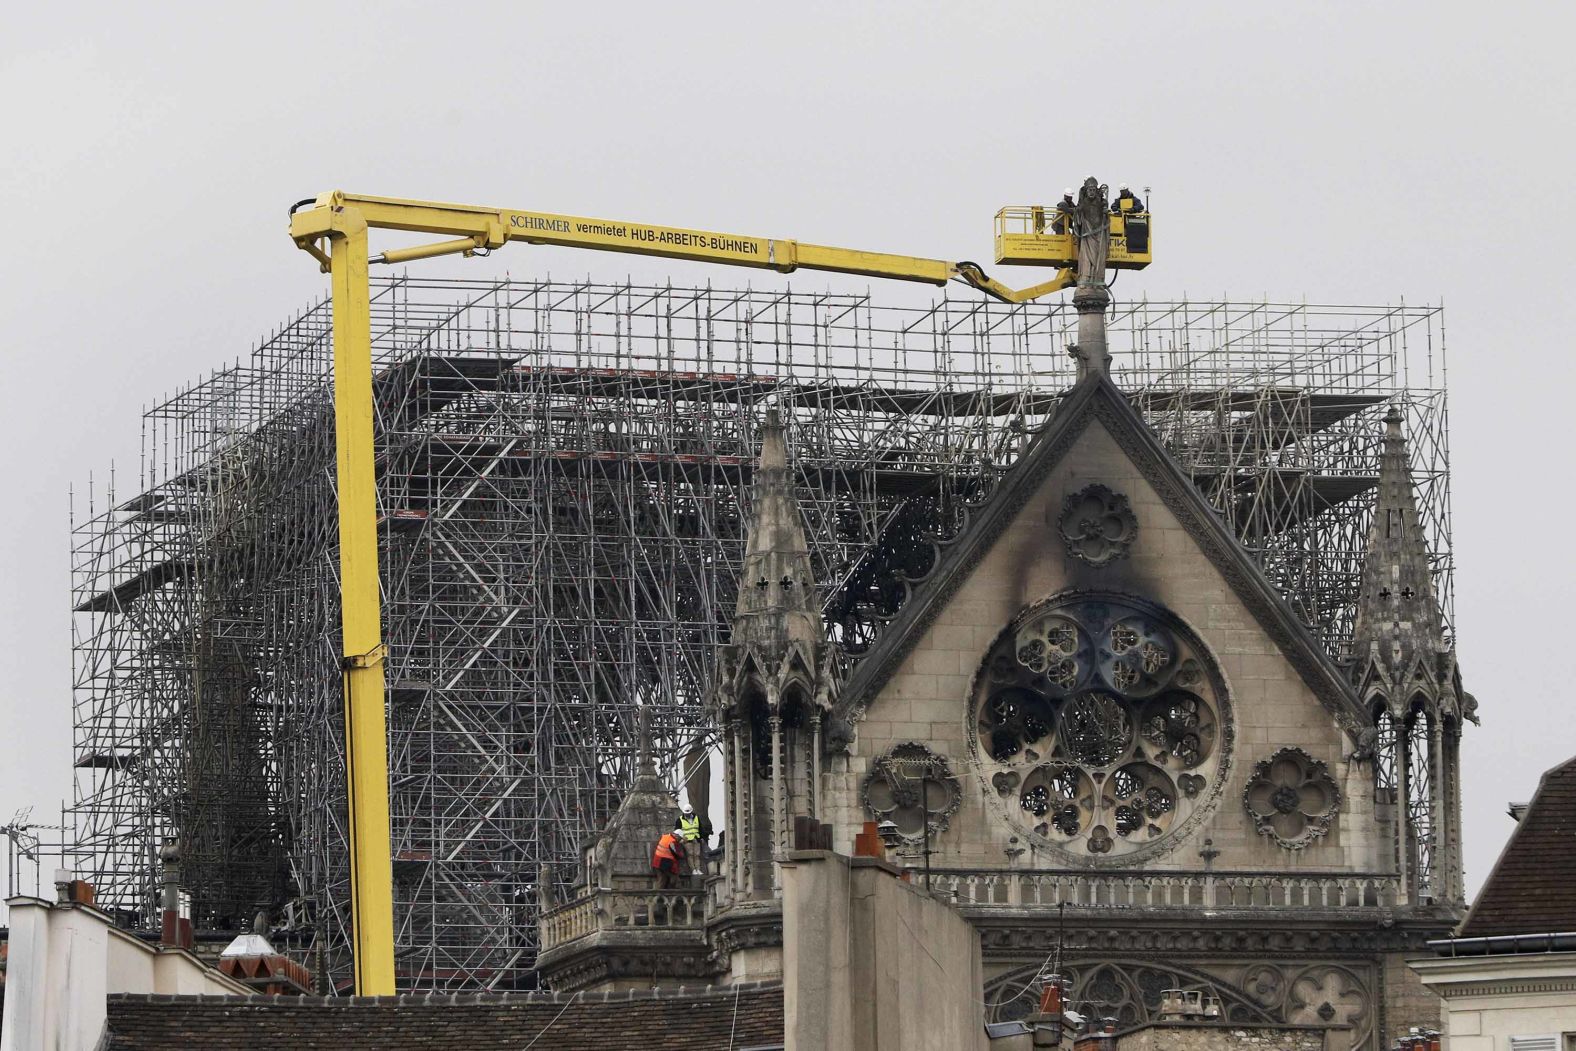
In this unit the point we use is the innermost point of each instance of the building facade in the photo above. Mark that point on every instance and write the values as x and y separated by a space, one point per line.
1099 730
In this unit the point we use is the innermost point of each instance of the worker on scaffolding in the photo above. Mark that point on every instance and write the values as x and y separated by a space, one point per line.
668 859
1126 201
688 826
1064 211
695 831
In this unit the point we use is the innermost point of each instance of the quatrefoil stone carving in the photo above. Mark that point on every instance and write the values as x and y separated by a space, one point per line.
1097 525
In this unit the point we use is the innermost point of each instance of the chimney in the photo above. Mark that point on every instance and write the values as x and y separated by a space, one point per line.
72 891
1047 1022
175 916
810 834
1104 1040
867 844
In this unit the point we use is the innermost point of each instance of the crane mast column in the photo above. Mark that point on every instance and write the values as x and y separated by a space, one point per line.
366 747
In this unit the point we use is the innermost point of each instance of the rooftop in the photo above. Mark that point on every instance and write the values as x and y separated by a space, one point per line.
743 1016
1530 890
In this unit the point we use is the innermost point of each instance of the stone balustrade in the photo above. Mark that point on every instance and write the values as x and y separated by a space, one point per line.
1161 890
615 910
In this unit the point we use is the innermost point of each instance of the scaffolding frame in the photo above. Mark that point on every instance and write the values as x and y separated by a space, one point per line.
564 482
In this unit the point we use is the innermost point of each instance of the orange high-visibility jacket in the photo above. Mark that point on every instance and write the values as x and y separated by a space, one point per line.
669 847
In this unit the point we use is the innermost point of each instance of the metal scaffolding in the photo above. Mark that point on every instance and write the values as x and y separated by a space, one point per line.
563 487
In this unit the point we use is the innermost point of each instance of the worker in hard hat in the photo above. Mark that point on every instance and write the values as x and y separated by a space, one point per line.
1126 200
695 832
668 859
1064 209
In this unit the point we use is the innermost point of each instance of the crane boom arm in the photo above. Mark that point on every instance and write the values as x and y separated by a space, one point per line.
471 228
335 231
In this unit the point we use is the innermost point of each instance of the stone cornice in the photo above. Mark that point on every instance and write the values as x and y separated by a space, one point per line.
1514 974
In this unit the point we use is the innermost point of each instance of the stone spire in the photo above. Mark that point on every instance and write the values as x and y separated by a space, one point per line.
774 681
777 612
1398 619
620 857
1403 670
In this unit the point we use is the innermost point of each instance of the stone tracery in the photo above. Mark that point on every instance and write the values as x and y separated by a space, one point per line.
1292 798
911 786
1131 991
1099 725
1097 525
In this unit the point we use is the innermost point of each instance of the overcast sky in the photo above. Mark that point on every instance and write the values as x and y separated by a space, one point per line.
1338 152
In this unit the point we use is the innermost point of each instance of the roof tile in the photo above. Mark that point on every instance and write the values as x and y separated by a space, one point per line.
745 1015
1531 890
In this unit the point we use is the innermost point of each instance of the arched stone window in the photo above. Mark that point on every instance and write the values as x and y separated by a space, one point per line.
1420 794
1385 747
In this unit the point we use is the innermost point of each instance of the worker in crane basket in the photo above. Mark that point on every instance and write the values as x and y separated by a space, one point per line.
1064 211
1126 200
668 859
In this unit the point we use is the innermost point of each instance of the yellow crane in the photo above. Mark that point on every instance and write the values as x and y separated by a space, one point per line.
333 229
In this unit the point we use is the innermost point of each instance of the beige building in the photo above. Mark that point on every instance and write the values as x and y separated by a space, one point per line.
1508 978
67 959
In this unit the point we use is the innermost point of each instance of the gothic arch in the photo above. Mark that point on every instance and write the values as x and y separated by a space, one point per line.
1126 989
1386 747
1419 745
1130 991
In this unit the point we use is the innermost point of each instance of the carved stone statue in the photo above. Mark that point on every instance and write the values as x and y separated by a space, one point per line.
1367 741
1092 227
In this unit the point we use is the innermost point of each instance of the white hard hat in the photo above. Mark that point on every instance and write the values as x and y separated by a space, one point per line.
1067 192
688 811
1121 186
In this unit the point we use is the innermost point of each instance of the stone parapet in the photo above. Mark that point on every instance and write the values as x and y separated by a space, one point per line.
983 888
627 910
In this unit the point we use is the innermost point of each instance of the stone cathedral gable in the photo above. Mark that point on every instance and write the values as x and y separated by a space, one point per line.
1097 724
1097 731
1097 399
1101 677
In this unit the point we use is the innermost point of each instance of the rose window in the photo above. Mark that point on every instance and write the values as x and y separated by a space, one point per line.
1099 726
1095 728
